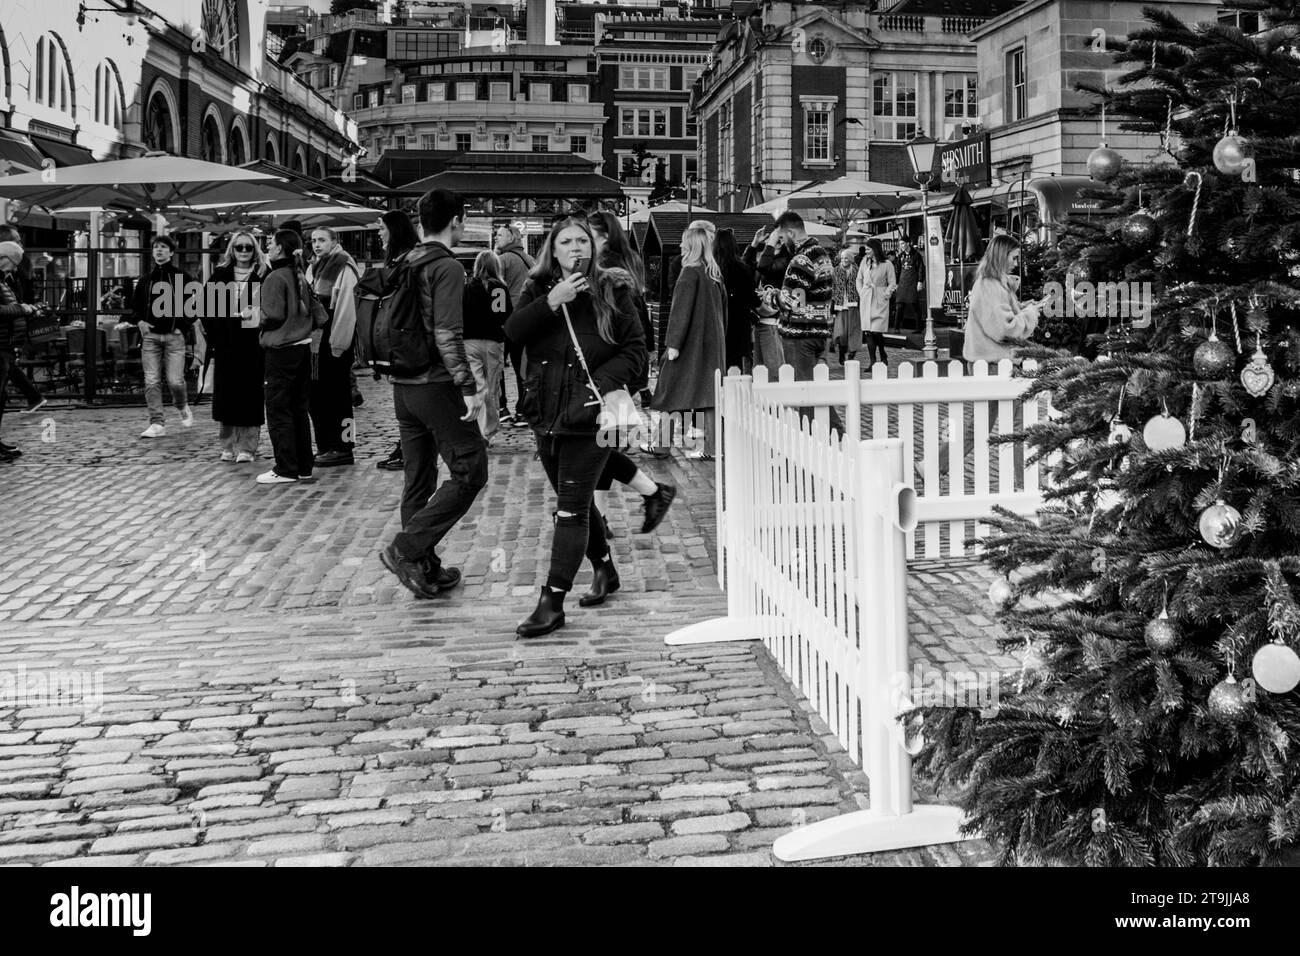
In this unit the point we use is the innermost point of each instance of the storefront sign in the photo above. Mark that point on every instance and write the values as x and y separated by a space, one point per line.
966 163
934 262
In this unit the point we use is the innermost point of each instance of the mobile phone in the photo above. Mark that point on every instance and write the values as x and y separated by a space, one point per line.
582 265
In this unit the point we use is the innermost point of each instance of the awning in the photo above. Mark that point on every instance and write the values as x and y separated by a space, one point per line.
17 149
63 154
521 185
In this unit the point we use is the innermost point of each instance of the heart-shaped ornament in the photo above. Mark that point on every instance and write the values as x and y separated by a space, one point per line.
1257 376
1164 432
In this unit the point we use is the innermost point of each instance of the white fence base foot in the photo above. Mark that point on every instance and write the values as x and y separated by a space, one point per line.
721 629
866 832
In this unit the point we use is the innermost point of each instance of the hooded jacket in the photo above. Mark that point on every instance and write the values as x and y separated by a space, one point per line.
555 378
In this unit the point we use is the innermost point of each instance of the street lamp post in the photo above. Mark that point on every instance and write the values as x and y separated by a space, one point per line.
920 152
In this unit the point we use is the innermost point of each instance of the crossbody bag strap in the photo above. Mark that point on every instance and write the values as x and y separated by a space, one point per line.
564 307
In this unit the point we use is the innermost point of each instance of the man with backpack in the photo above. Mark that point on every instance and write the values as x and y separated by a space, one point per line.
418 338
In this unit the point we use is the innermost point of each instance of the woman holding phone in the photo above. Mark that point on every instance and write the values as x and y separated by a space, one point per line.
997 321
581 334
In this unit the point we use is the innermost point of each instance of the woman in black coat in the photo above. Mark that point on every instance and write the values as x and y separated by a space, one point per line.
398 237
742 300
230 325
560 403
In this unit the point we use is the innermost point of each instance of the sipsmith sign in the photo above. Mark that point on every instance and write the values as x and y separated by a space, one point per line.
966 162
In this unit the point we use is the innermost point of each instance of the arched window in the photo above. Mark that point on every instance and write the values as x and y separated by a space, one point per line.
52 79
299 161
160 131
320 169
212 146
109 101
271 152
220 24
238 144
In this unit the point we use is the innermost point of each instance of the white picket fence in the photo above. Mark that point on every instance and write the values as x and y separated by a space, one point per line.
922 412
814 535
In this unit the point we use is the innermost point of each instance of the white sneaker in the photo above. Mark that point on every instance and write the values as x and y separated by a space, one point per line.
227 456
154 431
271 478
187 417
243 457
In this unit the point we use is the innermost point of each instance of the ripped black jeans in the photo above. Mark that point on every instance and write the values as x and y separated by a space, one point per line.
573 464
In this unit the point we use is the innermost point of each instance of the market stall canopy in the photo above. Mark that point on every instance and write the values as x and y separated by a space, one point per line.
664 231
672 205
267 215
17 151
841 200
519 176
152 183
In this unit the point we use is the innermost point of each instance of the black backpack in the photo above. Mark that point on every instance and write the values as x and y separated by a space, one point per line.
390 327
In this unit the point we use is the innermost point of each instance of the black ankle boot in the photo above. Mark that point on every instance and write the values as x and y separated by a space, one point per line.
548 616
604 582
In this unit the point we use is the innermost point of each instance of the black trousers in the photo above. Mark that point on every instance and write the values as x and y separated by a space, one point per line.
331 398
6 366
876 343
572 464
19 380
288 382
618 468
428 419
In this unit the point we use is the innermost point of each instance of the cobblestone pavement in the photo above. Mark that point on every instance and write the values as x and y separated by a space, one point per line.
271 696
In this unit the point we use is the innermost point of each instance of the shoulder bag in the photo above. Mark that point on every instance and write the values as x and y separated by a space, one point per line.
618 417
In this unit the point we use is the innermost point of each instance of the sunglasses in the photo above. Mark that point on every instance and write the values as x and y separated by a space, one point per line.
244 248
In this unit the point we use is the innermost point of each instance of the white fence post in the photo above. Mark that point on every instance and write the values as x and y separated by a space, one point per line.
886 512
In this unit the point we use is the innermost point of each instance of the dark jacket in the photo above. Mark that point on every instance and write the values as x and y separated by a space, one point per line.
235 350
555 386
696 328
808 293
440 282
157 307
516 263
285 322
10 309
742 299
769 266
487 306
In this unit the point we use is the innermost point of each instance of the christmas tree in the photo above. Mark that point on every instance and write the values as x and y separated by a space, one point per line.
1156 721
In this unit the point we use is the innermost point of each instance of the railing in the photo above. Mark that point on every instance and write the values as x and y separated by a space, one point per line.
962 25
902 23
812 551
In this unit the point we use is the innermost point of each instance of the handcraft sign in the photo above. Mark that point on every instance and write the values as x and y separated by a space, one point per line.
966 163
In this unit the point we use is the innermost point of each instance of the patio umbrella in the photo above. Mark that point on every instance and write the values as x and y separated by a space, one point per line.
838 199
963 236
310 213
673 205
152 183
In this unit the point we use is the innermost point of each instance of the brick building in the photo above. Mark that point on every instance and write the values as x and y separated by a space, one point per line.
805 92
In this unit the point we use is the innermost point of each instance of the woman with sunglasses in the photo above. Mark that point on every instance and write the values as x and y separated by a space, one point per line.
231 330
582 339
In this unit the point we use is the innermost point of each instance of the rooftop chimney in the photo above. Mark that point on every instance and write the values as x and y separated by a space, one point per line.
541 22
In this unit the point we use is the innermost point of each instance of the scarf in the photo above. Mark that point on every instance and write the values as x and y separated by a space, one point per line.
325 272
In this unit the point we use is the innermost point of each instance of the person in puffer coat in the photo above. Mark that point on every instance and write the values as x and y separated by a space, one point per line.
560 403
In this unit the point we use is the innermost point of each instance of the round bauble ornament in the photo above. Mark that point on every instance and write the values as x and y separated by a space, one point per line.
1000 593
1231 153
1140 230
1104 163
1229 702
1164 432
1276 668
1162 634
1213 358
1220 525
1120 434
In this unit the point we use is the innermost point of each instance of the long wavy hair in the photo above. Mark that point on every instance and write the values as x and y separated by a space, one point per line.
260 262
697 248
996 264
618 251
602 282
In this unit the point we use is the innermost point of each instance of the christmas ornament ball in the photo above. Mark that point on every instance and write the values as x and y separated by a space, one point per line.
1104 163
1140 230
1220 525
1228 701
1212 358
1162 635
1000 592
1230 154
1164 432
1276 668
1120 434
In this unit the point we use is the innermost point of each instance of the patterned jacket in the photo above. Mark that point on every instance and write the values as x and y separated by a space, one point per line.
808 292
